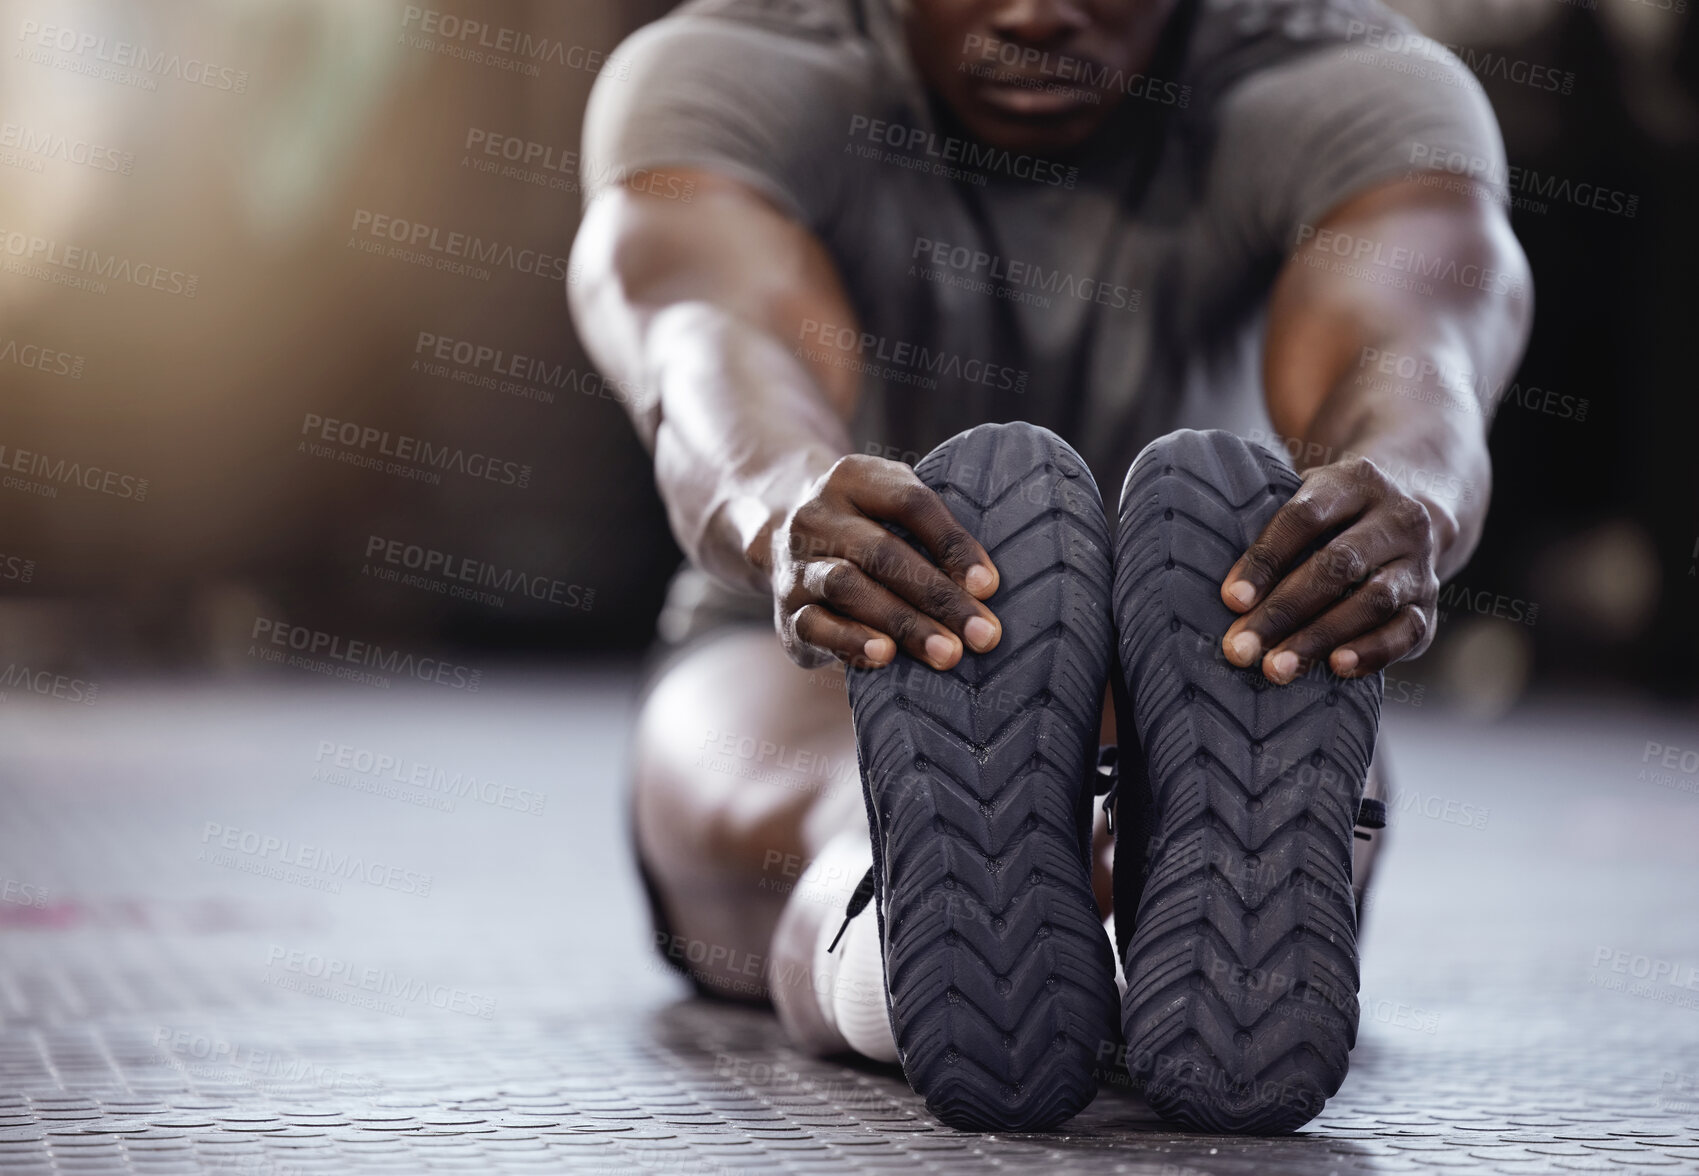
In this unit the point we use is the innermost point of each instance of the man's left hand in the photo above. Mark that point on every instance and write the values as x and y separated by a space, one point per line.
1366 598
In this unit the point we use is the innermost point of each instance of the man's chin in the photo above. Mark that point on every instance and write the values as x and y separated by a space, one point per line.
1033 135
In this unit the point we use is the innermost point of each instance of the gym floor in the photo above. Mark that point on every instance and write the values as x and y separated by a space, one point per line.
231 941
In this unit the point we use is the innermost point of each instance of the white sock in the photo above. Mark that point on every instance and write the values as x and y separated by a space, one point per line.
849 982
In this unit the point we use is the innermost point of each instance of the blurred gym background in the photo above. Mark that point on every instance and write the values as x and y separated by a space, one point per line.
259 173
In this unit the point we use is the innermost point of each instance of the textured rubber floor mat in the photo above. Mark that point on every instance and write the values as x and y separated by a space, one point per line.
1000 973
1241 1006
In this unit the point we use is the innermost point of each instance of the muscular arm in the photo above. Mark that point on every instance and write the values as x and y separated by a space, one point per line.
699 307
1387 331
713 311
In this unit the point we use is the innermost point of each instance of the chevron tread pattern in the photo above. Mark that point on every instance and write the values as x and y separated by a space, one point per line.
1241 1005
1001 978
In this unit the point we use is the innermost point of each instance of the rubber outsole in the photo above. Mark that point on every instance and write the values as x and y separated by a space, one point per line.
1241 1005
1000 977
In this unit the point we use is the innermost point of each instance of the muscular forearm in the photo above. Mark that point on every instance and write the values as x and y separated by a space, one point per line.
1410 406
699 311
741 431
1377 382
671 302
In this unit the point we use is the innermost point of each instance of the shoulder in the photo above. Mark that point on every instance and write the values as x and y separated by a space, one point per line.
762 90
743 42
1240 43
1330 73
1303 104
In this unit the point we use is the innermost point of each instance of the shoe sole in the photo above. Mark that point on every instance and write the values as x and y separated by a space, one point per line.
1000 976
1241 1003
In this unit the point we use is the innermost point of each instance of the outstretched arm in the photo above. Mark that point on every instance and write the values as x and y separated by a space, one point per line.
713 311
1389 330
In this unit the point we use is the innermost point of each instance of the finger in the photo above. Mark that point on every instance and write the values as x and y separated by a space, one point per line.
1319 506
847 640
1374 604
908 573
1314 586
915 505
1406 634
851 593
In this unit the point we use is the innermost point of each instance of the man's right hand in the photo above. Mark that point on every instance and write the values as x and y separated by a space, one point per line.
844 586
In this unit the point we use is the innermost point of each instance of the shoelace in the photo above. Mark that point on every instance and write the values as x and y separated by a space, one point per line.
862 895
1107 783
1371 814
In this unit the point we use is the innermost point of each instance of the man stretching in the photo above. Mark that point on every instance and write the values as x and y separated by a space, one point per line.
824 238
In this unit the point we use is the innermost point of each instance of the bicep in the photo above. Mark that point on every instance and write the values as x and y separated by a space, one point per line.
1403 266
639 256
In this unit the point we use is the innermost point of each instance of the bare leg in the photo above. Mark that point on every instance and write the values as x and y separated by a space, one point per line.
745 768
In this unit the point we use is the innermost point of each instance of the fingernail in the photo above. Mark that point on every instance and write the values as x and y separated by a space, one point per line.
1284 665
978 579
879 649
1246 648
980 633
939 649
1344 661
1241 591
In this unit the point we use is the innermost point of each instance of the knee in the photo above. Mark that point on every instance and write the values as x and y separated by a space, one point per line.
693 818
665 750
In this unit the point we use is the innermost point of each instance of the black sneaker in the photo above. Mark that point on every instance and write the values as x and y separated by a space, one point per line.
1000 979
1233 897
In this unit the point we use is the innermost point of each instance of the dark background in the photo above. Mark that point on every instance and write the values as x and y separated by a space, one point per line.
1594 531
